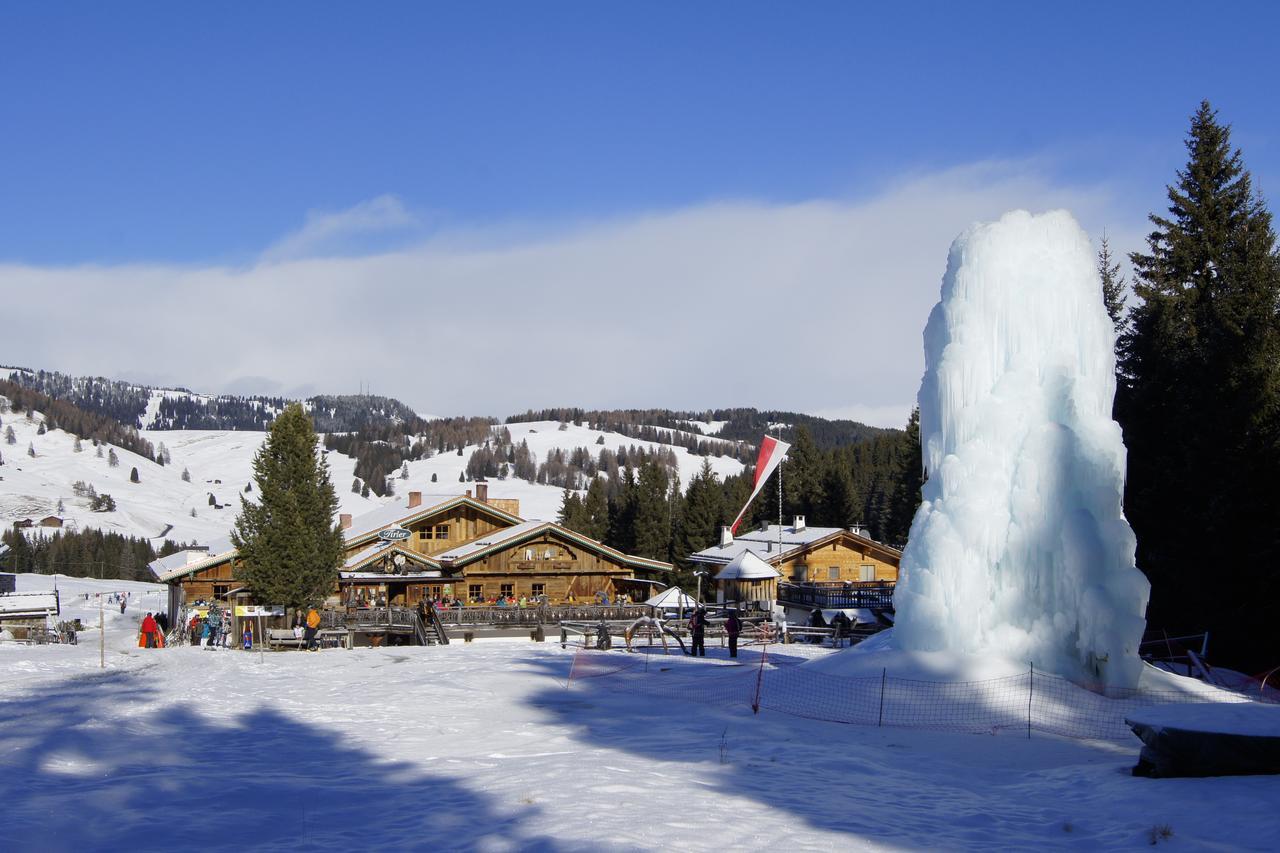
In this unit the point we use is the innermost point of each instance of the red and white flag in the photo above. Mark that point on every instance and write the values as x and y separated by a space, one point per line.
772 452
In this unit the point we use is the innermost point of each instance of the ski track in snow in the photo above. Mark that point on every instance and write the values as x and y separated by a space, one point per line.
481 747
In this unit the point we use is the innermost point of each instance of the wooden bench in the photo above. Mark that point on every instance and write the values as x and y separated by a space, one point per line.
281 637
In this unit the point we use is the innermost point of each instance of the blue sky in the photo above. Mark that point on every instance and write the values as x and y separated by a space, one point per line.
177 135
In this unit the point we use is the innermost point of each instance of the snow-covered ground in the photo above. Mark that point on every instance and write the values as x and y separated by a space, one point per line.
481 746
220 463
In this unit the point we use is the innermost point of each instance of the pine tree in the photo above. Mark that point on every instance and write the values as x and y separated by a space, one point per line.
355 486
98 453
570 514
31 449
289 546
1199 402
404 471
133 476
9 436
40 430
704 512
652 533
113 460
186 475
462 478
1112 285
364 490
433 477
76 447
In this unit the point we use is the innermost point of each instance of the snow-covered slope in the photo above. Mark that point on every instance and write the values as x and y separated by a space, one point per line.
221 463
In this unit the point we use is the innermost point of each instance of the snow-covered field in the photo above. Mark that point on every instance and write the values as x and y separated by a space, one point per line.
220 463
482 747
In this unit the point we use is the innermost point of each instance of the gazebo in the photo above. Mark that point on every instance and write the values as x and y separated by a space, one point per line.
673 598
747 581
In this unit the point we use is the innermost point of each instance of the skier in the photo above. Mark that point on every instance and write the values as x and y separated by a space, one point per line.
698 627
733 626
213 622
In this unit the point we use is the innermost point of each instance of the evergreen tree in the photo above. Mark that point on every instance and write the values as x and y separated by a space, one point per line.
704 513
364 490
99 450
462 478
1199 402
595 510
355 486
404 471
248 487
133 476
9 436
1112 285
652 525
113 460
76 447
433 477
40 430
908 482
289 546
31 449
570 514
186 475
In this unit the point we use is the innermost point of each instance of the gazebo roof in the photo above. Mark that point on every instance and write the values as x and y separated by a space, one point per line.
747 567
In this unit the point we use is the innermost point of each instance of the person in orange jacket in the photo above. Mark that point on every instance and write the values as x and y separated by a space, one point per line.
313 625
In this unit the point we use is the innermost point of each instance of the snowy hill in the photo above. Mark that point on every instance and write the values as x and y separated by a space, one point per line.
160 505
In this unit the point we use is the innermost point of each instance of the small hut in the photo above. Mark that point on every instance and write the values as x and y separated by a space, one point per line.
748 582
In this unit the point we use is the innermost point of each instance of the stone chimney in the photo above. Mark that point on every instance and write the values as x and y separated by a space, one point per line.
799 524
482 491
726 537
415 499
345 520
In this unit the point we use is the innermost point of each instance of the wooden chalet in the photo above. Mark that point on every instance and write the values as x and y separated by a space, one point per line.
804 554
472 548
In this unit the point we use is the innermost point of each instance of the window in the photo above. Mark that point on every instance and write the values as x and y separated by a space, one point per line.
475 592
833 573
868 572
539 589
801 572
441 531
424 533
507 589
528 554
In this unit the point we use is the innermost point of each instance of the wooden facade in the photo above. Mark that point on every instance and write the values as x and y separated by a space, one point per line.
843 556
433 562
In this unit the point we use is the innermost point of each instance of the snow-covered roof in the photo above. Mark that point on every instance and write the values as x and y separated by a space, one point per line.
382 548
671 598
764 543
186 562
747 567
490 540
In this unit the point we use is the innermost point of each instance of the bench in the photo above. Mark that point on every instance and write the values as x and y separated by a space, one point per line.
281 637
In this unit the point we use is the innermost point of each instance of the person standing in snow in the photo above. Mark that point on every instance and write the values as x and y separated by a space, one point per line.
213 621
698 628
149 628
733 627
313 625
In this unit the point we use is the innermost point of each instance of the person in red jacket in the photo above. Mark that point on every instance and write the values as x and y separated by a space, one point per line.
149 630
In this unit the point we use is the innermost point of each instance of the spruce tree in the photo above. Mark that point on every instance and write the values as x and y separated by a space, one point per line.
133 476
186 476
31 449
595 510
1112 284
433 477
652 530
289 544
113 461
1199 402
9 436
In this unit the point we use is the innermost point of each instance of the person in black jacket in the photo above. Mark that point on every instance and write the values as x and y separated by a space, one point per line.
698 627
733 627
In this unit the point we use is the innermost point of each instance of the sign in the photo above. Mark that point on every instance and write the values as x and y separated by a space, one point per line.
259 610
394 534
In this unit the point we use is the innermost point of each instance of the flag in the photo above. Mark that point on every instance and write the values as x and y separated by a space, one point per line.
772 452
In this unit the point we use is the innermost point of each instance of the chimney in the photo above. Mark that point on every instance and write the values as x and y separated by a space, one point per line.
858 530
726 537
799 525
482 491
415 499
345 520
468 493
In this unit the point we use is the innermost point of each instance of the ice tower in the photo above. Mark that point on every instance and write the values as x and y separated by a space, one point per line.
1021 547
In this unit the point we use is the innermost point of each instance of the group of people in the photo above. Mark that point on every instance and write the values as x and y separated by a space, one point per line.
698 631
153 630
306 627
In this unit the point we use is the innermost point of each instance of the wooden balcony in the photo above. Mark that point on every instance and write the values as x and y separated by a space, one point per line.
871 595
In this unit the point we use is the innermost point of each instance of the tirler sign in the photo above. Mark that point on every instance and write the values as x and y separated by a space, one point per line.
394 534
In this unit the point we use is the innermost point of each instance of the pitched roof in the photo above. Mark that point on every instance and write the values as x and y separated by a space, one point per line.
367 526
764 544
381 549
509 537
747 567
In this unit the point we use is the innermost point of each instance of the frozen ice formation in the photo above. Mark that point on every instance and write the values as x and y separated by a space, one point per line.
1020 547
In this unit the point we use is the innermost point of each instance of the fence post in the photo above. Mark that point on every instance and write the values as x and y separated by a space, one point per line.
1031 689
884 674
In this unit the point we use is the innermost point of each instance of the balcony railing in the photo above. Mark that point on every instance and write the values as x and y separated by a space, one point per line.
872 595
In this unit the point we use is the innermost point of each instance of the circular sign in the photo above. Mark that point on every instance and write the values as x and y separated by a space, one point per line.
394 534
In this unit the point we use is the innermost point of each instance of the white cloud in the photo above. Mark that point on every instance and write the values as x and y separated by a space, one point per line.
815 306
344 231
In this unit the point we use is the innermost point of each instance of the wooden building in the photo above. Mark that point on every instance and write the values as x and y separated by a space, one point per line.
804 554
472 548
